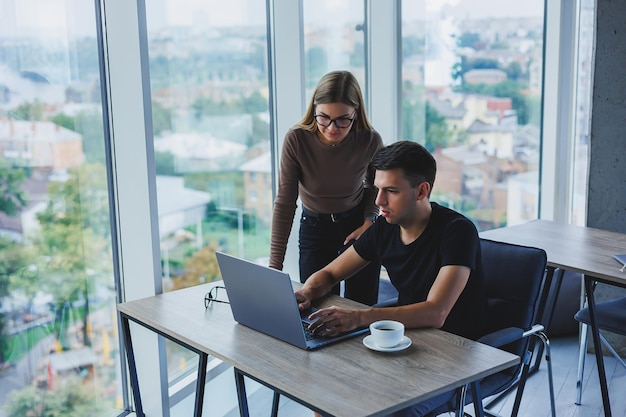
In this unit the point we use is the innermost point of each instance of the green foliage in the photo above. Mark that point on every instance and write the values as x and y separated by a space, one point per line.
12 196
161 118
533 109
28 111
207 106
202 66
469 40
226 237
87 57
413 121
89 124
514 71
219 183
412 45
357 56
73 398
509 89
18 345
413 113
254 103
15 261
316 61
423 124
14 264
164 163
159 72
200 267
74 240
260 131
230 219
467 64
80 201
437 133
63 120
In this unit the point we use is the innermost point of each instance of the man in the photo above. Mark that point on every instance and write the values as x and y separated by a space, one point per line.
431 253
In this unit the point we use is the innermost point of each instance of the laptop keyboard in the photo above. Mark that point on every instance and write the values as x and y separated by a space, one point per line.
308 334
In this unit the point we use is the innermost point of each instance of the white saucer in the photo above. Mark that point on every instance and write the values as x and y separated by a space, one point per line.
368 341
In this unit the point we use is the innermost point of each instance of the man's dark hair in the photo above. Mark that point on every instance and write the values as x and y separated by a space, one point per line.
417 163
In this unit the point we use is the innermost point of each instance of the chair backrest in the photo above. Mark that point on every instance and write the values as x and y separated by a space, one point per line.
514 277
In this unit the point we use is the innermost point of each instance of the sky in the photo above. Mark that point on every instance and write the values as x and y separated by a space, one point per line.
474 9
52 17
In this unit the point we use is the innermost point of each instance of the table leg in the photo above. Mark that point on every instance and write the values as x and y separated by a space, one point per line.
478 399
241 394
589 288
132 366
275 402
243 401
200 382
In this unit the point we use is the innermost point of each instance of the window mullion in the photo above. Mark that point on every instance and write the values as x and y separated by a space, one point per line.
557 151
286 58
383 66
134 182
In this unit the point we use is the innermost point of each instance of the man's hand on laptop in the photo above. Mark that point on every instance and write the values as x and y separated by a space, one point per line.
334 320
303 299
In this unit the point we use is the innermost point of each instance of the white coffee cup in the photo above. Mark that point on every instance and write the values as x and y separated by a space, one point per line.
387 333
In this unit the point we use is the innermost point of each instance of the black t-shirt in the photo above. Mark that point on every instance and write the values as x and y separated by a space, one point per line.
449 239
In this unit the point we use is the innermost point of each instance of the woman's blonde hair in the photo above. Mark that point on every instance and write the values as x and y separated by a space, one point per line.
337 87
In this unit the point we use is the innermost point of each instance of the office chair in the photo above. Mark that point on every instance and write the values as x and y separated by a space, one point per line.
611 317
514 281
387 293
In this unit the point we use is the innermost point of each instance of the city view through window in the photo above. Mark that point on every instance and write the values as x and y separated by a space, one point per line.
471 92
59 350
210 110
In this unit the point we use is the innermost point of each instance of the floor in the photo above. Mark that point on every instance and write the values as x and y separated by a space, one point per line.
535 402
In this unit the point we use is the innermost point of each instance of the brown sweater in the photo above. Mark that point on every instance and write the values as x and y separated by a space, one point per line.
328 179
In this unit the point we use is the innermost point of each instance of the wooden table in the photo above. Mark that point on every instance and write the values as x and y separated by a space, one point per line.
342 379
580 249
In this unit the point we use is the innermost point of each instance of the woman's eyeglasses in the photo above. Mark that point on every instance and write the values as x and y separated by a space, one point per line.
211 296
340 122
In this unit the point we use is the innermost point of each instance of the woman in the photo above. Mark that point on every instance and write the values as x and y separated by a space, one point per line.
324 162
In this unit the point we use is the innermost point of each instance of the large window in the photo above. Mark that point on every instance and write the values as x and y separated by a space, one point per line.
210 119
58 330
334 39
471 93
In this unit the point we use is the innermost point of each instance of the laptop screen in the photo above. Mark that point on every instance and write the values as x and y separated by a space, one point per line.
263 298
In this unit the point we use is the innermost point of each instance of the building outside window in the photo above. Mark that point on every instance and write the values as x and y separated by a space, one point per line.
471 93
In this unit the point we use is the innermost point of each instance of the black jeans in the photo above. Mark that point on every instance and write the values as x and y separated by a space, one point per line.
321 240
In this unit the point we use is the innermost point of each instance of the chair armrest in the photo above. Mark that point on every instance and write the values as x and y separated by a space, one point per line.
537 328
502 337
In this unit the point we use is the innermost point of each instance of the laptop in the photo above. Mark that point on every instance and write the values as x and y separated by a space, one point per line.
262 298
